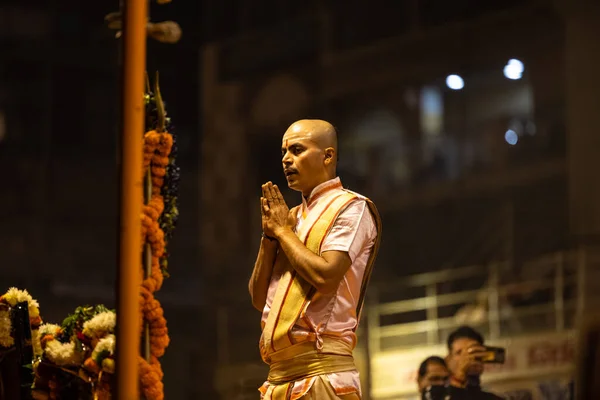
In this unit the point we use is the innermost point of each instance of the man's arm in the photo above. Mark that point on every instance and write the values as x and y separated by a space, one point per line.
267 254
261 275
323 272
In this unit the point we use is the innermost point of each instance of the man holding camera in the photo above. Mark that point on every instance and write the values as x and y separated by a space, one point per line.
465 360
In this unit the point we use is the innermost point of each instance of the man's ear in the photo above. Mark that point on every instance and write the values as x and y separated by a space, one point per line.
329 155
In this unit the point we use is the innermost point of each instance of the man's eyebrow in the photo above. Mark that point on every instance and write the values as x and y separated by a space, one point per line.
292 146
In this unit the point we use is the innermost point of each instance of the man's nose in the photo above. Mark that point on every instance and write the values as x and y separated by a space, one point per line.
287 159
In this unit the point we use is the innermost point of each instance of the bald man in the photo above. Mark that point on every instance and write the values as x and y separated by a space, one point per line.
311 272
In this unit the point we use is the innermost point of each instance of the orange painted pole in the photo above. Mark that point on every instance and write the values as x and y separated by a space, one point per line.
135 14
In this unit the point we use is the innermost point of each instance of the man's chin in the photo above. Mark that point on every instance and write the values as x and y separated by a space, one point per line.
476 370
294 186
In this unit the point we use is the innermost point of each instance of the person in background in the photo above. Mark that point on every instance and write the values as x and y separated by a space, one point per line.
432 372
465 351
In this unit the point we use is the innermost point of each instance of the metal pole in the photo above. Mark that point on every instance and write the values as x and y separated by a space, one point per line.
134 61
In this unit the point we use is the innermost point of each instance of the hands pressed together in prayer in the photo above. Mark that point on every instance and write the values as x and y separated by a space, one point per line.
322 271
276 216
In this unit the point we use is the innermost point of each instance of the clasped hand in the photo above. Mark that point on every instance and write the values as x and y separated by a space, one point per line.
469 362
276 216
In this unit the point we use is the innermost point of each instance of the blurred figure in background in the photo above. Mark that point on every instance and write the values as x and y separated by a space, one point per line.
465 352
432 372
432 379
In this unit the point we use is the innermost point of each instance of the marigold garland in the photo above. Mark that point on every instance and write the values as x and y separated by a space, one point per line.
157 146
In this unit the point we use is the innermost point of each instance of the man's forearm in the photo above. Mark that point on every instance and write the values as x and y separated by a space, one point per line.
310 266
261 275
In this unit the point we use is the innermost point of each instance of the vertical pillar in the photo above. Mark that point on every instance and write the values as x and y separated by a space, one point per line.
130 227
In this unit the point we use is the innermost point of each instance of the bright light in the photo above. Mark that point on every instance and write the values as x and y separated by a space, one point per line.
455 82
514 69
511 137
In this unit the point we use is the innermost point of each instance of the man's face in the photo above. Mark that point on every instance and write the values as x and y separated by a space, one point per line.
437 374
458 353
303 162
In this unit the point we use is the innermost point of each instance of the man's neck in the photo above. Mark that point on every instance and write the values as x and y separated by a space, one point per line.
470 381
306 194
473 381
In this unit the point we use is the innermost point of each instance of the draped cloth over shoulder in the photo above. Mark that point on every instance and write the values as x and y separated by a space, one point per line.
289 359
293 292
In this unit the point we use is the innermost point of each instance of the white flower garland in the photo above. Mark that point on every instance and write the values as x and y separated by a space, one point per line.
49 329
100 325
44 329
12 297
62 354
105 344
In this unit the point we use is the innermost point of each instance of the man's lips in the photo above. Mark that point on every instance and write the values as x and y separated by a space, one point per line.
290 172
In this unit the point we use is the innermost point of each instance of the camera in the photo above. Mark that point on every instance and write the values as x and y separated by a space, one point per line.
493 355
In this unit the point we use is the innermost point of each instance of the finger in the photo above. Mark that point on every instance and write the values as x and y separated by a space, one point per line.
278 194
273 192
476 349
268 194
265 205
293 216
264 190
478 353
268 187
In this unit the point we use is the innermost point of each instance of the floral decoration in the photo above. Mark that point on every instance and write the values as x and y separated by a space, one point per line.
10 299
76 358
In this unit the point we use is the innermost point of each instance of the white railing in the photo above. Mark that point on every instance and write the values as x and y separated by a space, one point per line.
547 294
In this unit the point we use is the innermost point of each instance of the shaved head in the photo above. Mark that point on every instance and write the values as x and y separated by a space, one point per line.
319 131
309 151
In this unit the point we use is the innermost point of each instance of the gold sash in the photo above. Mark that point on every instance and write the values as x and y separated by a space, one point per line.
306 361
302 360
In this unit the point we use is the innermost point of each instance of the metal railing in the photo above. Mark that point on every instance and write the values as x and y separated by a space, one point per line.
547 294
